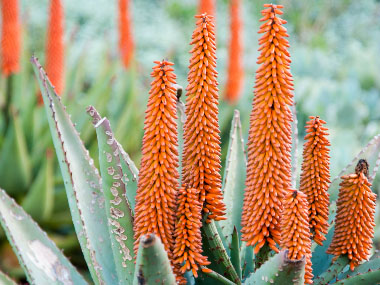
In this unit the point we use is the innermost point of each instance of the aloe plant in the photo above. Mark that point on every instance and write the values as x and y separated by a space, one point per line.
102 208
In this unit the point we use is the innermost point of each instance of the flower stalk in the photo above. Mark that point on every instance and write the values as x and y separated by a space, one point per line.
315 177
269 140
201 154
355 218
158 177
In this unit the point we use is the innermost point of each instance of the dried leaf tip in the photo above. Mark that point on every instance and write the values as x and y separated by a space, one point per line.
10 37
201 155
188 244
295 232
315 177
269 140
158 177
55 47
355 218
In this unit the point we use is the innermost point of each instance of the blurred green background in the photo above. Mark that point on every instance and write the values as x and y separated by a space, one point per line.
335 47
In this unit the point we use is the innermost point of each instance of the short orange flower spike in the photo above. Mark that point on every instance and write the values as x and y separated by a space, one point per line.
207 6
295 231
269 140
355 217
315 177
235 69
201 154
126 43
10 37
188 240
158 177
55 57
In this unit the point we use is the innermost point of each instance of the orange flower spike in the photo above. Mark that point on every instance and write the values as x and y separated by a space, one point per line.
11 37
315 177
235 68
188 243
158 177
355 217
295 230
54 46
201 155
126 43
207 6
269 140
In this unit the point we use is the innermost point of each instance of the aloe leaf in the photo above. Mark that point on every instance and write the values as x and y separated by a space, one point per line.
130 175
234 179
370 277
217 255
279 270
39 201
40 258
118 209
247 256
235 252
372 265
82 183
15 168
216 277
152 263
5 279
333 271
181 119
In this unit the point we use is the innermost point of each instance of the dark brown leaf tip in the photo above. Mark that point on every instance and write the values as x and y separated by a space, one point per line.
362 166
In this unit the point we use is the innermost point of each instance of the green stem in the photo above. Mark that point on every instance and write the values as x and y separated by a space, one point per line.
262 256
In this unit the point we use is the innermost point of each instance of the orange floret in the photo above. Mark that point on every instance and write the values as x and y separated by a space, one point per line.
269 140
315 177
355 217
201 155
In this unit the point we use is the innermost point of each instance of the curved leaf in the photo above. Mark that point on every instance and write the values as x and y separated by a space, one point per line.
118 209
279 270
6 280
42 261
82 183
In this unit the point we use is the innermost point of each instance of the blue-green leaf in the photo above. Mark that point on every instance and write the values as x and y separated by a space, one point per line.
42 261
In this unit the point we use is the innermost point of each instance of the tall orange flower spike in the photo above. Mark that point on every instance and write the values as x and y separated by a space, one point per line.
235 68
188 243
54 46
315 177
207 6
158 177
355 217
11 37
269 140
201 155
295 230
126 43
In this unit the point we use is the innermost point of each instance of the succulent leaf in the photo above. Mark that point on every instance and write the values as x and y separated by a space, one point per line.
41 259
82 183
332 271
118 209
217 255
39 201
15 168
247 257
235 252
217 277
152 263
234 178
279 270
